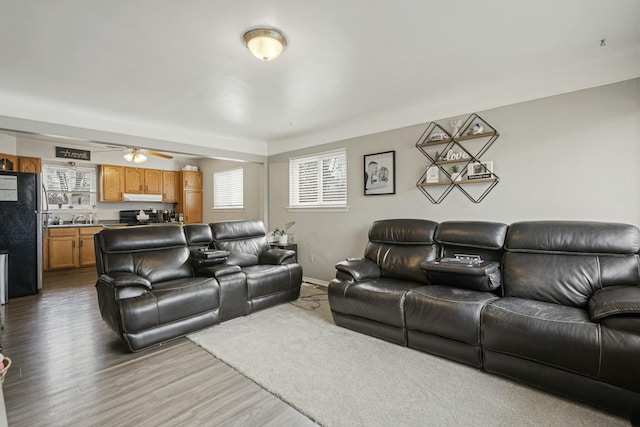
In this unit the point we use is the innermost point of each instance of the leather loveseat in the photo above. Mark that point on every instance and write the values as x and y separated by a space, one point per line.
554 304
156 283
253 276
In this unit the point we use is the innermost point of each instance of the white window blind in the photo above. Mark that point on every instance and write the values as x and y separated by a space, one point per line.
65 178
68 186
228 189
318 180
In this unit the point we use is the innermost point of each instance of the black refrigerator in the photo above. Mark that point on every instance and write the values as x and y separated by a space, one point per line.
21 231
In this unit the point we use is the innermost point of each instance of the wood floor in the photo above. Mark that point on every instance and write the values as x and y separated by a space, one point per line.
69 369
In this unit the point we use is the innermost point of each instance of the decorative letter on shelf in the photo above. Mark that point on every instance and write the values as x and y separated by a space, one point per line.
460 152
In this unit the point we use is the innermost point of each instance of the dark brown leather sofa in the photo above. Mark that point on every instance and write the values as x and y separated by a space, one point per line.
156 283
555 304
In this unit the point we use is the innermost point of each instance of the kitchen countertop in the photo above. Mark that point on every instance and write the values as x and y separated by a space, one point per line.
69 225
107 225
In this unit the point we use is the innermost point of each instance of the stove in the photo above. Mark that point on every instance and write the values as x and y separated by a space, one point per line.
129 217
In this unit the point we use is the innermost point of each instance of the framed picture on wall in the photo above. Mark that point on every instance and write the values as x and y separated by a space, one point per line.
480 170
380 173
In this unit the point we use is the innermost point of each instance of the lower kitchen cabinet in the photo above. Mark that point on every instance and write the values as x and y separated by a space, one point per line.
69 247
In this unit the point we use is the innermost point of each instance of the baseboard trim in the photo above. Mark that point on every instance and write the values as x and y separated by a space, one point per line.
317 282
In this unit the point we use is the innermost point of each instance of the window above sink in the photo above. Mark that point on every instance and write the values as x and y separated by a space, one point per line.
69 187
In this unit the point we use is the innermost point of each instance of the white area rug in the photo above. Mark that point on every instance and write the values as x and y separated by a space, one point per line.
338 377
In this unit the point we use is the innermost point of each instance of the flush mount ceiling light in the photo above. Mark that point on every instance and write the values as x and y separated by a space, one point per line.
265 43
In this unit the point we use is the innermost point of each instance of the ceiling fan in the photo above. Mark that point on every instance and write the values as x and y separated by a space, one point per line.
138 155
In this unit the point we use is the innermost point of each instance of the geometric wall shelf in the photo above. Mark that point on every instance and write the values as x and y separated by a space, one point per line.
455 160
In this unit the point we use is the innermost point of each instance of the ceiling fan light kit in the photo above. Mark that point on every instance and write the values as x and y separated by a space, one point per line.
265 43
137 155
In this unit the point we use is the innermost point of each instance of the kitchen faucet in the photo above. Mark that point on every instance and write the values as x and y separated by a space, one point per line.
73 221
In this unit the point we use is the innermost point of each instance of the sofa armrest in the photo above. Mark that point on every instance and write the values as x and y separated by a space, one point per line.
277 256
218 270
124 279
613 301
359 268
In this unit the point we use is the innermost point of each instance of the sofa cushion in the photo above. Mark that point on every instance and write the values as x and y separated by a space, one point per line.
472 234
550 334
566 262
240 237
562 279
266 279
158 254
446 312
198 235
401 262
573 237
168 302
398 246
379 299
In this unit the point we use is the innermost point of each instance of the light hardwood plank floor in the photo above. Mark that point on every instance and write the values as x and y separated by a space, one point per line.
69 369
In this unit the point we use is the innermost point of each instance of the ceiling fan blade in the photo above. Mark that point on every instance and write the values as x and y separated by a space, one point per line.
155 153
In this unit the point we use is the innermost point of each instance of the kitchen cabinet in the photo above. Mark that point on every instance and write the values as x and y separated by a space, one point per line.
111 183
152 181
192 206
142 181
134 180
86 250
8 162
63 248
190 203
191 180
30 164
170 186
69 247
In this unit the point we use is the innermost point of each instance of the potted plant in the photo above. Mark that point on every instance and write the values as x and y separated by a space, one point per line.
455 173
283 237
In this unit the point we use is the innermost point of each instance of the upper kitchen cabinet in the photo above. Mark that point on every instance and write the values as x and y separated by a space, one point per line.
170 186
8 162
134 180
30 164
191 180
111 183
152 181
142 181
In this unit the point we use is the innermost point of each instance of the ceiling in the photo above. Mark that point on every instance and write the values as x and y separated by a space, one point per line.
177 71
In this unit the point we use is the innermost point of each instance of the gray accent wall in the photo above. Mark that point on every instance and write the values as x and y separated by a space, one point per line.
573 156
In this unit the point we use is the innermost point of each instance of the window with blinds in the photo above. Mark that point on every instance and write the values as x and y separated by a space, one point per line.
319 180
228 189
68 186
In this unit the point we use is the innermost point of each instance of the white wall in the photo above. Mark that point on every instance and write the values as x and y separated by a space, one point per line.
7 144
253 191
574 156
